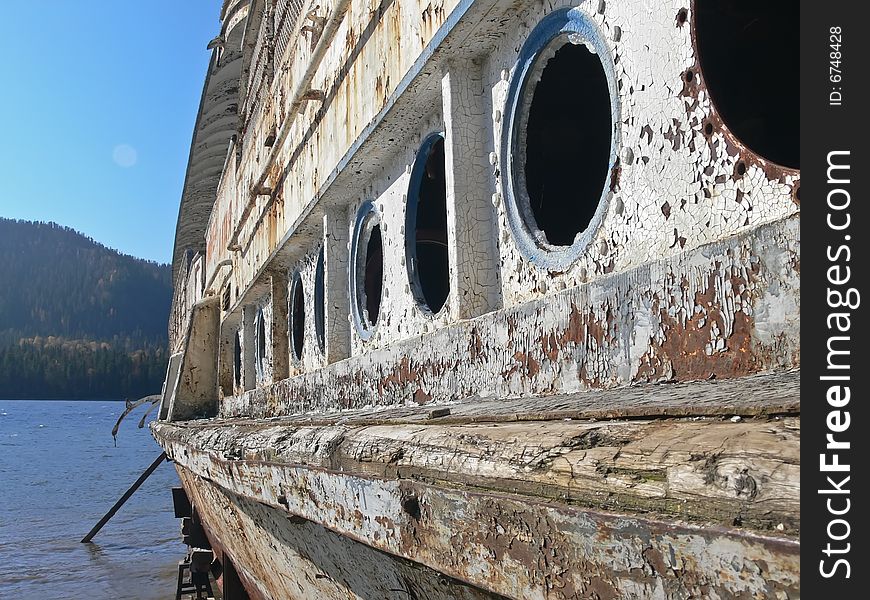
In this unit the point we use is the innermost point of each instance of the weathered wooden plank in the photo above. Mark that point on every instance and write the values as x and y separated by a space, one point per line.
281 557
729 473
124 497
769 394
506 544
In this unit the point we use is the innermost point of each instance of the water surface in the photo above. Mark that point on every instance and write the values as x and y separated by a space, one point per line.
59 473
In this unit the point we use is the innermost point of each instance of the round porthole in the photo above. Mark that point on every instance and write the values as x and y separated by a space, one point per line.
237 359
560 138
297 316
426 249
320 302
367 270
749 53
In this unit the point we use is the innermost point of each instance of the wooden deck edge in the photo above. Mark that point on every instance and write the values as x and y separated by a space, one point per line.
519 546
677 496
762 395
741 473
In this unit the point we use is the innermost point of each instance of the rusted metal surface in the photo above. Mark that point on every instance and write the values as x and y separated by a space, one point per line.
215 125
728 309
518 546
722 142
676 186
661 156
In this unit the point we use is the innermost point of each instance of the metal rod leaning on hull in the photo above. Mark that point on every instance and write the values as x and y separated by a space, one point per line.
96 528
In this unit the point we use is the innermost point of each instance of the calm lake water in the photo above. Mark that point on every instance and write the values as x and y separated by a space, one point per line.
59 473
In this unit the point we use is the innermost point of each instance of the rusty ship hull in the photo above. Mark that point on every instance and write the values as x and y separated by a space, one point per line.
490 299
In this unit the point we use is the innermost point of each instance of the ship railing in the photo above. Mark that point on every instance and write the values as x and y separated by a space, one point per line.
279 28
260 74
188 290
223 216
287 24
323 31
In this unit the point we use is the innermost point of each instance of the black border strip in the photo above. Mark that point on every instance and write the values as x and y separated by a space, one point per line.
833 274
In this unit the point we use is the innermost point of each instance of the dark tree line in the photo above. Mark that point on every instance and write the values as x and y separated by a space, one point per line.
75 369
77 319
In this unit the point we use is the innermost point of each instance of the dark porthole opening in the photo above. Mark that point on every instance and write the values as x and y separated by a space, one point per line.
320 302
750 59
261 345
373 274
237 360
428 258
297 317
567 140
367 270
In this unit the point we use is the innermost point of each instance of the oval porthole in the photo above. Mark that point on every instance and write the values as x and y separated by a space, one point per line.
756 91
297 316
426 248
260 350
320 302
560 138
367 270
237 359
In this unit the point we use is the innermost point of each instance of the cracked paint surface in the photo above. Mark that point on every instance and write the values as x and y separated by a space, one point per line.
702 314
678 184
307 560
692 272
676 187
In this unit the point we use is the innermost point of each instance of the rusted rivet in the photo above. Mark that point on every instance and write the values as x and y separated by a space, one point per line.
796 192
708 129
682 17
689 76
411 506
741 168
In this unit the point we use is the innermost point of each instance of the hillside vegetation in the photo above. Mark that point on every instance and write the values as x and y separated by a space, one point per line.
77 319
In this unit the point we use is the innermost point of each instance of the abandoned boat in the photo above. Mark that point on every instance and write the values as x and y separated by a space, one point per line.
492 299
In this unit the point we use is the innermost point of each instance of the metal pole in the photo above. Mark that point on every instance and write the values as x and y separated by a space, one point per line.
124 498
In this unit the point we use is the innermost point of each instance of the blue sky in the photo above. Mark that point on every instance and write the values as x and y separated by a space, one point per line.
98 100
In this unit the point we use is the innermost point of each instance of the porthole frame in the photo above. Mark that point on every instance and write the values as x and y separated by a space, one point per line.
411 208
296 285
260 344
319 296
717 121
367 218
238 361
566 25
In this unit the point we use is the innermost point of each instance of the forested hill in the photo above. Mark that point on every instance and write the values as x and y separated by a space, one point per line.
77 319
55 281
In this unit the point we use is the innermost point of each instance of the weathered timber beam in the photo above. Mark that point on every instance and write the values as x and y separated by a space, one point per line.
765 395
512 545
279 557
124 497
713 471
